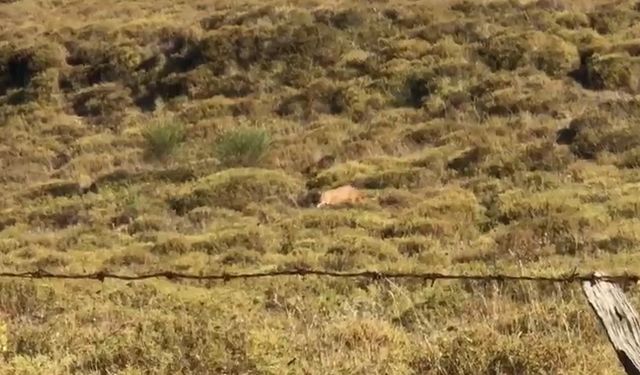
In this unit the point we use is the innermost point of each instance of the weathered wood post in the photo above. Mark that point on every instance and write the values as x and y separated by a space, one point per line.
619 319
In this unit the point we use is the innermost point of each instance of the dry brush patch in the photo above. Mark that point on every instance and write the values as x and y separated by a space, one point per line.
487 136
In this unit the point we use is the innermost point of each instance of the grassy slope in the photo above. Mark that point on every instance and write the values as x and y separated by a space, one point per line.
446 116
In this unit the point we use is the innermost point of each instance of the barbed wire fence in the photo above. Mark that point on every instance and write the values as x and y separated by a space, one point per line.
569 277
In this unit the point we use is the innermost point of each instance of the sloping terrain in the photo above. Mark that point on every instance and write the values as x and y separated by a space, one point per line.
196 136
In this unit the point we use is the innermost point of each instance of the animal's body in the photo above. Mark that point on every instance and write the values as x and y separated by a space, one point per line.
339 195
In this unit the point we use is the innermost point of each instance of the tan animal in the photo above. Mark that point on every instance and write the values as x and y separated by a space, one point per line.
342 194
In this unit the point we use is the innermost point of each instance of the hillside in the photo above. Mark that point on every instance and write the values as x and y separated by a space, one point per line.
196 136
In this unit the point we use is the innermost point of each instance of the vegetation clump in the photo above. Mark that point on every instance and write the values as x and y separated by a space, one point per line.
19 64
548 53
237 188
163 139
591 135
614 71
488 137
243 147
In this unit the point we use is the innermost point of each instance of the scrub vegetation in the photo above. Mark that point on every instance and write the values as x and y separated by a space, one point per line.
196 136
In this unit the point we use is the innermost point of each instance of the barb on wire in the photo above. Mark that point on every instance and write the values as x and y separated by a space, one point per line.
374 275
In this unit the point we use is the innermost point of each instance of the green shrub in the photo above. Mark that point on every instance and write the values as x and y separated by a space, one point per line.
104 103
502 94
243 147
572 20
548 53
321 96
163 139
610 18
346 173
236 188
258 239
590 135
614 71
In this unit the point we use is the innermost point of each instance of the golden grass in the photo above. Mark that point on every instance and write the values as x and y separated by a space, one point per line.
488 136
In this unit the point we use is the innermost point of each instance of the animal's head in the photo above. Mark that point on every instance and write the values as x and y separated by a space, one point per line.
310 197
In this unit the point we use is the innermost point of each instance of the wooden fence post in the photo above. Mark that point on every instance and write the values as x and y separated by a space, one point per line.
619 319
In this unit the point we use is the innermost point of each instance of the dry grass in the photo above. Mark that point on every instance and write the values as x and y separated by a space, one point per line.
488 136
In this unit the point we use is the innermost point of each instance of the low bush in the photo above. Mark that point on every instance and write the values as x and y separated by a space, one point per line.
244 147
163 139
237 188
548 53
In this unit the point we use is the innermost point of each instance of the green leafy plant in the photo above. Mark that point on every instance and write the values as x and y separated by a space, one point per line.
242 147
163 139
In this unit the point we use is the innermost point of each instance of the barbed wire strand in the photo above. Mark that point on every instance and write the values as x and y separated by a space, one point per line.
426 276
